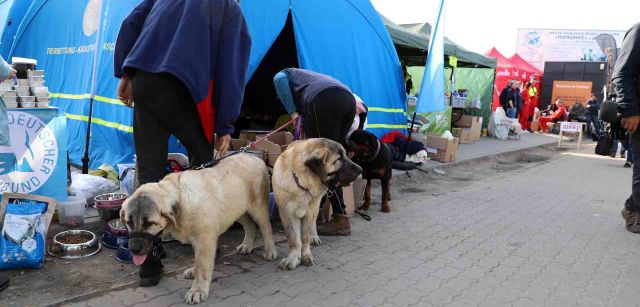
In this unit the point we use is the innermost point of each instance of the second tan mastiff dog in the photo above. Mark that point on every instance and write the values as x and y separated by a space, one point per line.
302 175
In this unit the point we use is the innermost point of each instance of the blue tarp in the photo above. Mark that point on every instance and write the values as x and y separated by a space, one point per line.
343 38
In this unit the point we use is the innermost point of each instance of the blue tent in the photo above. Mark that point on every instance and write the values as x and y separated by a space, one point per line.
343 38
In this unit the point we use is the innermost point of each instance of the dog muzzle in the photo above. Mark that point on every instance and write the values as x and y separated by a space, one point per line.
156 241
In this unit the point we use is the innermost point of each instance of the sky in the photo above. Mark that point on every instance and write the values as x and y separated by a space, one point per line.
479 25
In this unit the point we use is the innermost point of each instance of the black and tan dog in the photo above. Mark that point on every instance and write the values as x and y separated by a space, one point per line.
375 158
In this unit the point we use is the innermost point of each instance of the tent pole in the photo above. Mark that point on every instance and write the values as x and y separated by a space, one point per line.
94 76
85 158
406 145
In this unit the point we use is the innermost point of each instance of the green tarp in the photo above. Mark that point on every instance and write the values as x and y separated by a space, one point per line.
477 81
412 42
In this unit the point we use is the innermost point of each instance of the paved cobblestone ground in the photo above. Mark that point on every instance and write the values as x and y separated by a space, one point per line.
546 233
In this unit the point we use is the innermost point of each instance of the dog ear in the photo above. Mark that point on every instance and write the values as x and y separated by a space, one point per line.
317 166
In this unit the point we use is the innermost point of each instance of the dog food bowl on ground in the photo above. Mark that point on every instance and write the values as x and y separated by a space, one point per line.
74 244
110 240
116 228
123 254
108 205
110 199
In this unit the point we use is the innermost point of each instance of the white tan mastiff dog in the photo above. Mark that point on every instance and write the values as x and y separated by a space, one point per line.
302 175
197 207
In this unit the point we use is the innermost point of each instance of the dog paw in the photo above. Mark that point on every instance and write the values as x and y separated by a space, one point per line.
196 296
270 254
307 260
315 240
289 263
244 249
385 209
188 273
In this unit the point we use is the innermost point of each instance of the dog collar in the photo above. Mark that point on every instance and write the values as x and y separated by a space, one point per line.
377 152
147 236
295 178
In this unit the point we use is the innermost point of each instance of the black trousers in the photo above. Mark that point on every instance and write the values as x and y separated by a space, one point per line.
330 115
633 202
164 107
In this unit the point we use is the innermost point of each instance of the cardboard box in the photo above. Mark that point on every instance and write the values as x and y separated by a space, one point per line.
353 198
273 146
535 126
464 134
442 149
472 122
251 134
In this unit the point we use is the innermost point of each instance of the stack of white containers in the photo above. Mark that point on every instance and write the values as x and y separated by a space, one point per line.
25 93
36 85
8 94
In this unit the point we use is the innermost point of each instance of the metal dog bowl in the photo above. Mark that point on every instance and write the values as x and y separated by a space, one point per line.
74 250
110 199
116 228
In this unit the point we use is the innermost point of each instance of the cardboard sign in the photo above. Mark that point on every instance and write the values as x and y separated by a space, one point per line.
571 91
570 127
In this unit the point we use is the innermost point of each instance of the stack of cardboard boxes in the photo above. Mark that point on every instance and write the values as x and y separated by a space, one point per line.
466 127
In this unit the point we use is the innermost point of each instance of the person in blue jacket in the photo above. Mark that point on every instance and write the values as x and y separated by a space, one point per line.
180 62
6 72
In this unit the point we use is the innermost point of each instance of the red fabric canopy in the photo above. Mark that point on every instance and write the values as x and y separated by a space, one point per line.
514 68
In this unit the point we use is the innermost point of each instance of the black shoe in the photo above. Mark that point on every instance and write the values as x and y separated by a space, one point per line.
150 271
627 164
4 282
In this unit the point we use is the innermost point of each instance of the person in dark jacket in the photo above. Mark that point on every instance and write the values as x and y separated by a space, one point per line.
180 62
626 79
593 107
328 108
507 100
517 97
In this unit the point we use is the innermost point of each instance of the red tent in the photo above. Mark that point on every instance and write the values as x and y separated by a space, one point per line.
531 72
505 71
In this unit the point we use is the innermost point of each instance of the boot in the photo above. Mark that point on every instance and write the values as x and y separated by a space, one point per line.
338 226
151 270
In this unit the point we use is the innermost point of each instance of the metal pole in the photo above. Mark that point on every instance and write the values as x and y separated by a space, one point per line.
85 158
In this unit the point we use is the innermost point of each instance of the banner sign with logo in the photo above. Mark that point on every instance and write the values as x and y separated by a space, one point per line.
36 161
538 46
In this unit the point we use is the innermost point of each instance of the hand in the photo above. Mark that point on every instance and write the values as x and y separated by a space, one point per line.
124 92
631 123
294 115
11 75
223 144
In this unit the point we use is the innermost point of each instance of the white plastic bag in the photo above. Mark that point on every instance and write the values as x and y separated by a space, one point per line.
90 186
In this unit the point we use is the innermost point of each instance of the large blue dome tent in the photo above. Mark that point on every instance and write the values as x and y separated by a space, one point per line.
343 38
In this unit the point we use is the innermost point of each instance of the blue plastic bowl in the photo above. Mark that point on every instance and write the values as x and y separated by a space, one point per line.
123 254
110 240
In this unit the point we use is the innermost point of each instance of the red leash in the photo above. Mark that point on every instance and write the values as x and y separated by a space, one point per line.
253 144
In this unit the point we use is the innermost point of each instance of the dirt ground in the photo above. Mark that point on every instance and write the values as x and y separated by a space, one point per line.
63 280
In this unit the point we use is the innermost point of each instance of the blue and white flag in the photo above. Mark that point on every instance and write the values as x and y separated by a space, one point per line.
35 162
431 98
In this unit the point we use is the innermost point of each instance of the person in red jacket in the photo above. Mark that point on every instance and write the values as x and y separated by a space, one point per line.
526 107
557 115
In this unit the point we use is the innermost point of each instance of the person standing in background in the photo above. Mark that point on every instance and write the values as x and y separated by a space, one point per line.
6 72
593 107
525 112
507 100
517 98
